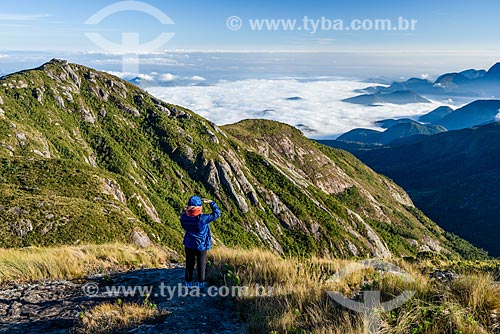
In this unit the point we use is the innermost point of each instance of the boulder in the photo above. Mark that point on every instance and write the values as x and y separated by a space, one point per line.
140 238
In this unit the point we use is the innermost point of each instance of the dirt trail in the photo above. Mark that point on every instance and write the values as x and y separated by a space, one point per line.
54 306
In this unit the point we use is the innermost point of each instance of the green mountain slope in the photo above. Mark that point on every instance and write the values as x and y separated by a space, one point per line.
87 157
453 177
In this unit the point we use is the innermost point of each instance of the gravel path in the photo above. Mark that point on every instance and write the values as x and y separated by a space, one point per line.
54 306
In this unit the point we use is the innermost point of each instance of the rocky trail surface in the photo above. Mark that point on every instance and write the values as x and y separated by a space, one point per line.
54 306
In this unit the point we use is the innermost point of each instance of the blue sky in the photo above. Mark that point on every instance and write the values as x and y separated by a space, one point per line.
201 25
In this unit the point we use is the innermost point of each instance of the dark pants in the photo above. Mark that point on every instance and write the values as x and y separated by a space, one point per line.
200 257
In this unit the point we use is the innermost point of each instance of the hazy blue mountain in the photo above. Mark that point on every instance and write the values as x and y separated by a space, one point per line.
404 130
436 115
475 113
361 136
396 97
390 122
397 131
452 176
473 74
458 85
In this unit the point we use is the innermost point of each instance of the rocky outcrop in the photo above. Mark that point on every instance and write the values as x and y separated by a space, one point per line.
231 185
430 244
147 206
22 227
240 172
110 188
281 211
129 110
38 94
140 238
87 115
377 246
263 233
212 177
59 100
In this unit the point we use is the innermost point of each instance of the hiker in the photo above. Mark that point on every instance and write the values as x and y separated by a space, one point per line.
197 239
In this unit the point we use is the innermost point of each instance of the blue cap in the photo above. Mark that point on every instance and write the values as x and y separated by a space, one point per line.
195 201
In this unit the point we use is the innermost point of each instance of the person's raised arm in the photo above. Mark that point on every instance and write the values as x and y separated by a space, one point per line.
215 210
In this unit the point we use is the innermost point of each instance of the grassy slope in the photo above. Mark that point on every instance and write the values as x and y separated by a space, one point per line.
407 222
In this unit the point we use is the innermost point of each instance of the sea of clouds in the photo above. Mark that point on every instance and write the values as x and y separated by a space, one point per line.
319 113
226 87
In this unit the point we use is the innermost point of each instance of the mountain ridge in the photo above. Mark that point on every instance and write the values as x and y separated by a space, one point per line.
452 176
88 157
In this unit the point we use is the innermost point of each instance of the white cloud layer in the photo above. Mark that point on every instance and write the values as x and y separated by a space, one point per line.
319 108
197 78
167 77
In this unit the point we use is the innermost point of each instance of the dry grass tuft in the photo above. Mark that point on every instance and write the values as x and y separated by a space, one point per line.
69 262
112 318
299 303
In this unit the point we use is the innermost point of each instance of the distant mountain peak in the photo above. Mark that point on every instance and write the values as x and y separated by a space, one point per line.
494 70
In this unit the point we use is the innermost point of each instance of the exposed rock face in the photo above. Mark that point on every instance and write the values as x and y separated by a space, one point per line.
140 238
129 110
379 248
264 234
280 210
212 177
110 188
22 138
398 194
38 94
375 209
432 244
307 166
232 186
59 100
240 172
148 207
87 115
91 160
22 227
53 307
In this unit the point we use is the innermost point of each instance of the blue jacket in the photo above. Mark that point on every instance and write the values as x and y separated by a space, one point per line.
197 229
